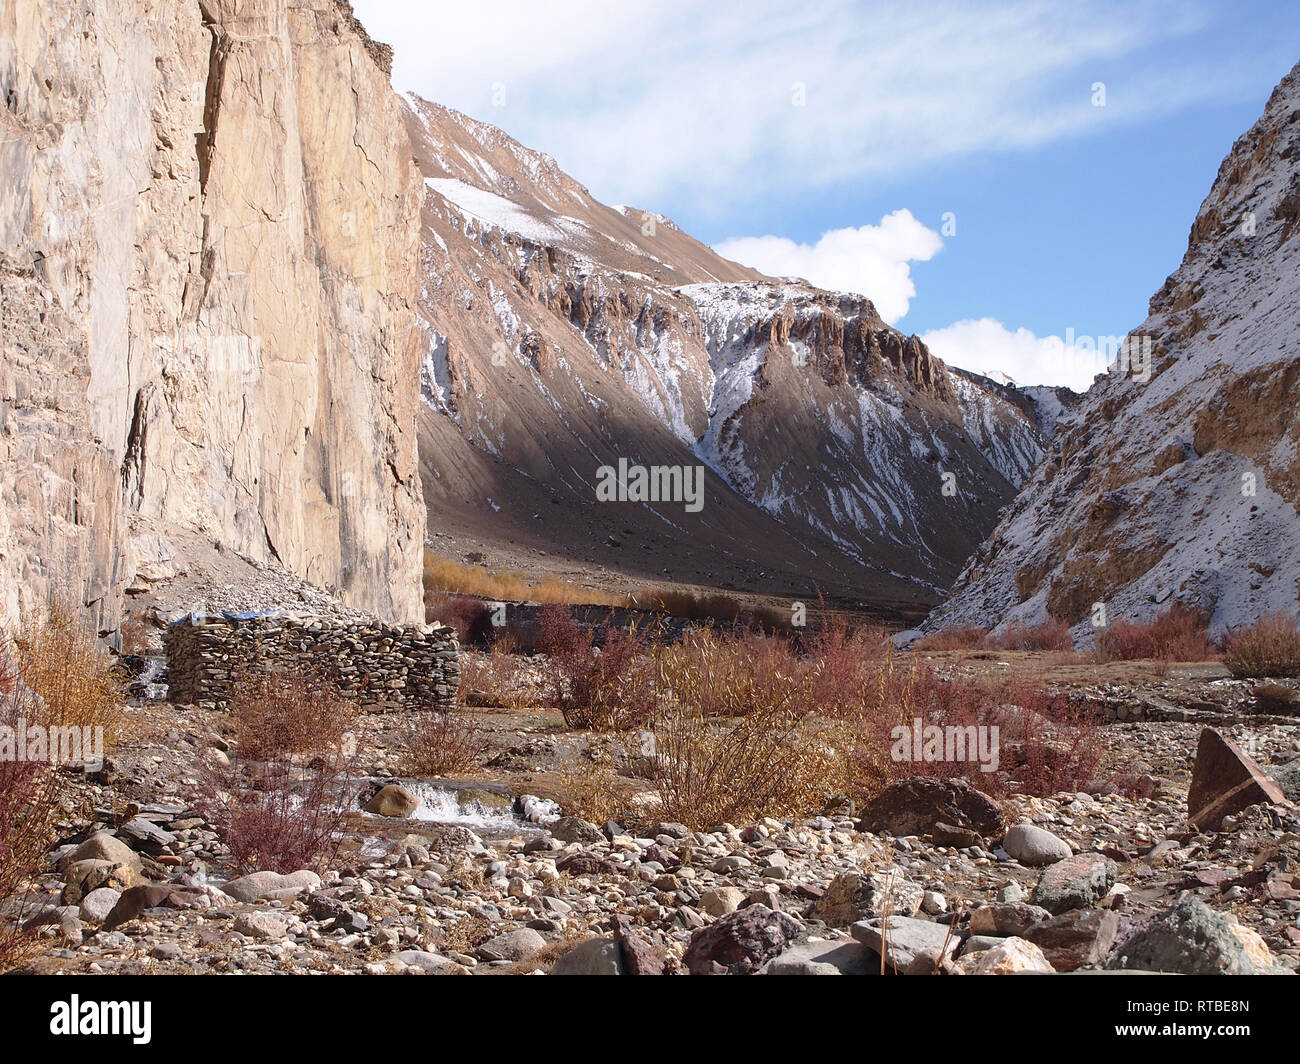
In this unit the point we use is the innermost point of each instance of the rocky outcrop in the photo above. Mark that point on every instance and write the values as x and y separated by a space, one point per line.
209 232
1176 478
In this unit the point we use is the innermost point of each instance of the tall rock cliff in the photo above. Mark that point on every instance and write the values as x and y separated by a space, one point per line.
1183 484
209 251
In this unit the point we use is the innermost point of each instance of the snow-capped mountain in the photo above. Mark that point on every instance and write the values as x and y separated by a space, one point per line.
1181 483
563 335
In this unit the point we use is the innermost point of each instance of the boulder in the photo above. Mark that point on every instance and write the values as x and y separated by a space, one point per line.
1075 883
1035 846
742 942
1287 778
433 963
392 800
103 847
272 886
97 904
909 946
639 958
1193 939
512 945
267 926
1006 919
575 829
596 956
1075 939
721 901
1011 956
854 896
1225 780
823 958
915 806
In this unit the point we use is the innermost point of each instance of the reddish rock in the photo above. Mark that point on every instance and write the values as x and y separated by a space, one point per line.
1225 780
741 942
917 805
638 956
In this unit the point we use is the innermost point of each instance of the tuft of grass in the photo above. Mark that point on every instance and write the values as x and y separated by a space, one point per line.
767 763
1269 647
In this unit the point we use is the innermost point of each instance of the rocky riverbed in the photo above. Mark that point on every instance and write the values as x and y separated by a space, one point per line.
482 878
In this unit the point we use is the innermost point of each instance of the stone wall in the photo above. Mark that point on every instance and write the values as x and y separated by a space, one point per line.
386 667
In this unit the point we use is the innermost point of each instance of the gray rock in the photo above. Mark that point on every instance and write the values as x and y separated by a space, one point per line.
903 940
596 956
1075 882
96 905
434 963
575 829
1287 777
272 886
1006 919
146 835
978 943
166 951
262 925
824 958
854 896
1193 939
103 847
1034 846
512 945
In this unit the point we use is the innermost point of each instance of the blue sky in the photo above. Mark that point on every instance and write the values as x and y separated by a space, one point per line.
829 139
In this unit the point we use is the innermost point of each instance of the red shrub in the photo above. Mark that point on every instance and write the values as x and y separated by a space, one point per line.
1050 635
610 686
1176 634
285 818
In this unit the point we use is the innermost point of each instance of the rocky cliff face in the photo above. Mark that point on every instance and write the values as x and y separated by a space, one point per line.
563 335
209 243
1185 485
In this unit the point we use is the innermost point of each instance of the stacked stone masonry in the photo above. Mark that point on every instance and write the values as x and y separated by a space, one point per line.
386 667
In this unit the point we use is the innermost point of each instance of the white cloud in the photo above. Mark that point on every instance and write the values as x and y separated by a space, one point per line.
872 260
987 346
648 99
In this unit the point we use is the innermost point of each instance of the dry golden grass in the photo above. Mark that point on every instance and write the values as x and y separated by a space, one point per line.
59 657
592 792
767 763
444 574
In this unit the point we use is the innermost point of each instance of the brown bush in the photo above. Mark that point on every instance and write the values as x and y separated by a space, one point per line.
436 743
1269 647
444 574
610 687
27 813
498 677
958 637
715 674
1051 634
281 713
1176 634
